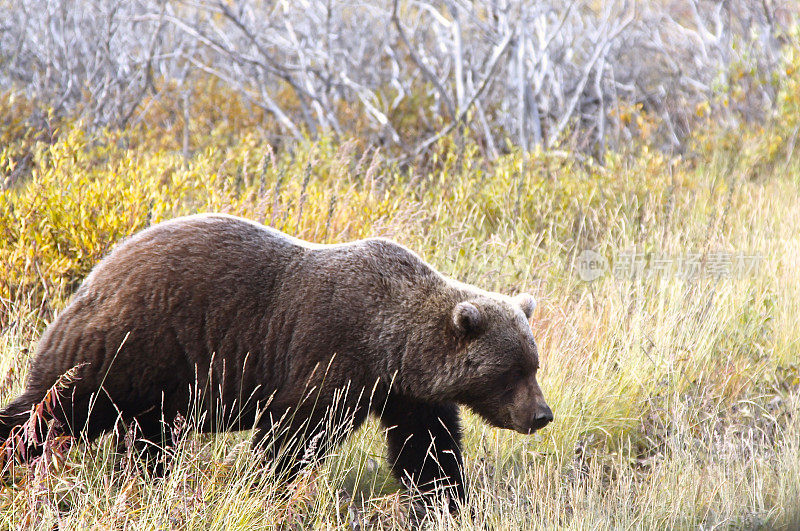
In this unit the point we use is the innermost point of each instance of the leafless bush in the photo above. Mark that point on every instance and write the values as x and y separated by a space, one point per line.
99 58
509 70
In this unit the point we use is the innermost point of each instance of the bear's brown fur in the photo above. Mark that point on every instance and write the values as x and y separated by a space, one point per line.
259 328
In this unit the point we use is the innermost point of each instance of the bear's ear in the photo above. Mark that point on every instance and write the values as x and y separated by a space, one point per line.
467 318
527 303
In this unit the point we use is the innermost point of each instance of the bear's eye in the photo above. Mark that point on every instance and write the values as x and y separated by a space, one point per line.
507 395
511 379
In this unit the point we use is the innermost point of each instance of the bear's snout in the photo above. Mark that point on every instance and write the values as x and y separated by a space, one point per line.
529 410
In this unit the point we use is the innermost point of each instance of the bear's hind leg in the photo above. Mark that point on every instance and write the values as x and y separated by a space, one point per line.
294 443
152 443
424 443
283 443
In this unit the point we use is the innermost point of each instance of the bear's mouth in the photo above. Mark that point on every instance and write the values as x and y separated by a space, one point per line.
530 430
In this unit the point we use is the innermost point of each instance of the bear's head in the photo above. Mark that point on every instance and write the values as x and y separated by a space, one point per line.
499 361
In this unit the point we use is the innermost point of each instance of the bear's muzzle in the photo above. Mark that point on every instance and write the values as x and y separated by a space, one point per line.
529 411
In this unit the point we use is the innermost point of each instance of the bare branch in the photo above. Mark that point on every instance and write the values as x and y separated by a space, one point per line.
448 102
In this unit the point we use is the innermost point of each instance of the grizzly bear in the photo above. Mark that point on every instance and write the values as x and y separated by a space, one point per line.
261 329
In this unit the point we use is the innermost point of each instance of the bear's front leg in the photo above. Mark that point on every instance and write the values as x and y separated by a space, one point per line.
424 441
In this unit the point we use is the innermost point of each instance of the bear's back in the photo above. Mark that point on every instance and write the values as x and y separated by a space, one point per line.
205 249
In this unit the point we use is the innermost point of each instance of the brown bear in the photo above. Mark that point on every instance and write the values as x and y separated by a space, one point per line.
262 329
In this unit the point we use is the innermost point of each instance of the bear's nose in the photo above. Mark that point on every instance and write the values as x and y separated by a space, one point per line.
542 417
